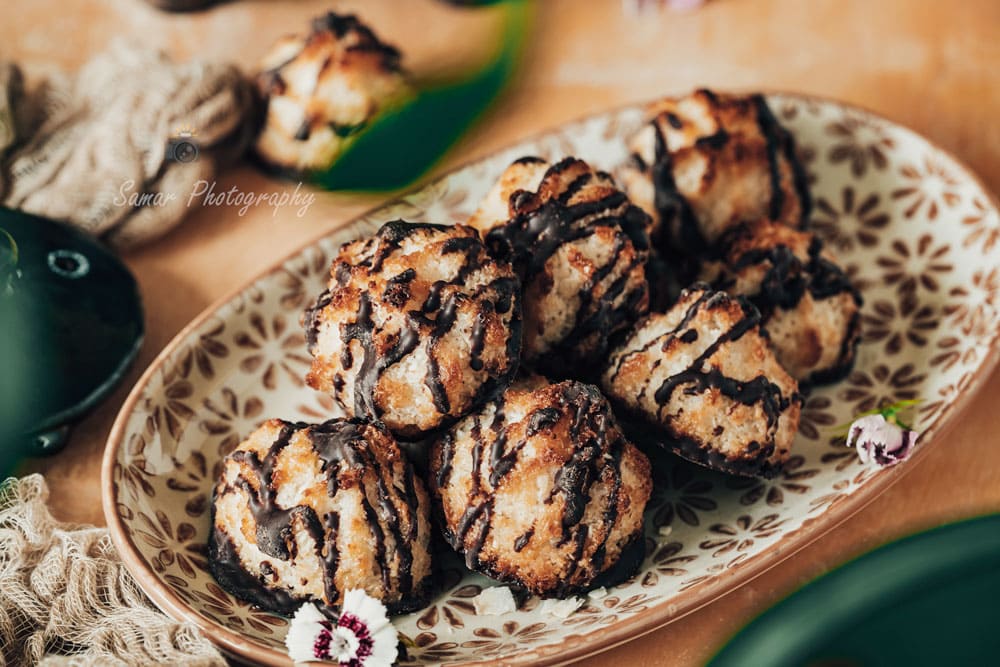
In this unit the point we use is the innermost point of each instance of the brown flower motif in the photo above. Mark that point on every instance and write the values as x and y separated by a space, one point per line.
946 396
667 561
630 605
741 535
954 349
250 297
909 269
842 454
507 638
773 491
592 613
223 608
854 219
427 650
178 546
881 386
135 475
710 573
681 494
229 414
440 200
302 278
791 109
268 340
883 323
815 416
172 415
807 158
459 602
973 306
857 278
828 500
860 142
209 348
983 226
321 408
931 186
191 477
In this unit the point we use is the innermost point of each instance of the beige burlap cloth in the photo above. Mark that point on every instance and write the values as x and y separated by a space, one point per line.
85 148
66 598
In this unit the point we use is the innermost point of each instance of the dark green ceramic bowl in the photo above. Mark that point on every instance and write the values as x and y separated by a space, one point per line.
929 599
71 323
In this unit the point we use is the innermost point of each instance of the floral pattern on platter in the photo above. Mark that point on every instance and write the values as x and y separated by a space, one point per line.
917 232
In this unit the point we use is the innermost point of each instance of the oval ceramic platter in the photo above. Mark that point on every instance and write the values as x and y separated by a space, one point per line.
917 232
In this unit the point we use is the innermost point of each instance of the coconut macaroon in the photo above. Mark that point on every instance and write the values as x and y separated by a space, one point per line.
308 512
322 89
806 301
579 247
417 326
703 380
706 162
540 488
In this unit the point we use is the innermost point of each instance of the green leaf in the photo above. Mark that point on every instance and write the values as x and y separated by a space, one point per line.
890 412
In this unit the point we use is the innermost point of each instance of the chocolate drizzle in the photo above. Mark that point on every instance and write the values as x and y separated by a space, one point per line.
342 25
683 235
771 132
700 376
422 327
574 411
391 514
542 222
676 215
787 280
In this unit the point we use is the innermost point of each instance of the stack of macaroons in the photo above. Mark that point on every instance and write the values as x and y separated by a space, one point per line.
580 248
422 330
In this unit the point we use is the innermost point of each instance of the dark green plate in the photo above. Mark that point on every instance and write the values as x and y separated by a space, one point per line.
929 599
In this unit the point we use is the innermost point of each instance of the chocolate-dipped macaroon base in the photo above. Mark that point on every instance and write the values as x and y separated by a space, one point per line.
307 512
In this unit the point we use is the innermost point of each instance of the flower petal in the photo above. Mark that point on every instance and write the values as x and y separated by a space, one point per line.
306 626
879 441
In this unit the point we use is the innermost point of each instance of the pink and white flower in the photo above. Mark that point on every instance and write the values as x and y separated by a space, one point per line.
360 635
880 441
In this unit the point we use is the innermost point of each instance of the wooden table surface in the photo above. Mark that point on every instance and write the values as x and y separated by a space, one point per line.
932 66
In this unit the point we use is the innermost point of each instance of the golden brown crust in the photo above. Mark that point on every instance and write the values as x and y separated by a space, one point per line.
703 377
322 89
418 325
807 303
707 162
579 247
294 517
541 488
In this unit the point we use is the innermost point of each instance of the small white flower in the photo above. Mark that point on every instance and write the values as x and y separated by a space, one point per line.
880 442
360 635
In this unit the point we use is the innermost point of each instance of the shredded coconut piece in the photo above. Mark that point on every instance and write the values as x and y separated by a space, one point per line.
598 593
494 601
561 608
